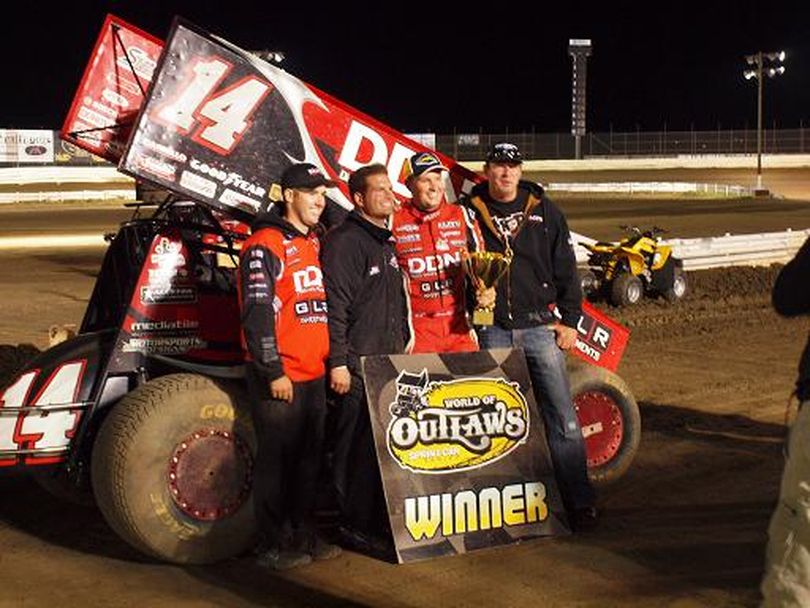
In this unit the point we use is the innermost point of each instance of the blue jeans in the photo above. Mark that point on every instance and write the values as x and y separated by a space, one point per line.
553 394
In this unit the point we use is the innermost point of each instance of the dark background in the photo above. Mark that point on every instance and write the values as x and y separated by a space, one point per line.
437 67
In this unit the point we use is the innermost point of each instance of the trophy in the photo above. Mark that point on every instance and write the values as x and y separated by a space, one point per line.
485 268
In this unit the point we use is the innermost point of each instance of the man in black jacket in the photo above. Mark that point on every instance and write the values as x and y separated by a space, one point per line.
787 567
367 316
517 219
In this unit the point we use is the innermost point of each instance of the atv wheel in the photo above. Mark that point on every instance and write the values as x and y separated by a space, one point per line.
610 420
172 469
626 289
678 289
588 282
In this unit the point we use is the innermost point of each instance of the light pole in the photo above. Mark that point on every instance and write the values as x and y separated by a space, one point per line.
580 50
758 69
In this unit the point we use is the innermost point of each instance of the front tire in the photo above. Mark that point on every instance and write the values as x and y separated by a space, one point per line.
588 282
610 420
172 469
626 290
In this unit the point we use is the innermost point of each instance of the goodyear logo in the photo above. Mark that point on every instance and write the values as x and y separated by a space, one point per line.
455 425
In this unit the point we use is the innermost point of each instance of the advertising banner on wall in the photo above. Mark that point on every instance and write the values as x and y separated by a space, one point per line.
68 153
19 146
462 452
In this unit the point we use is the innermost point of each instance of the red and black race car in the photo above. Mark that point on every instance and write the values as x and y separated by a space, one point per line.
145 407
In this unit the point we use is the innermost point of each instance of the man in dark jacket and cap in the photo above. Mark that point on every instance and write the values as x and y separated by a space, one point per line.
518 220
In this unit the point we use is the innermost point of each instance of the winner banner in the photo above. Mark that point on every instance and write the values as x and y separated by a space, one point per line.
462 452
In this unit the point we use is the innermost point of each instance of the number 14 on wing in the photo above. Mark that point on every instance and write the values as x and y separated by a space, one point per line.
216 119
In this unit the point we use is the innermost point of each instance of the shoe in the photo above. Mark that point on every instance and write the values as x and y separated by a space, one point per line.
584 519
321 550
283 560
362 542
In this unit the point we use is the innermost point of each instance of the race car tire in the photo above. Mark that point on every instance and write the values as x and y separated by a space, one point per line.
172 469
626 289
610 420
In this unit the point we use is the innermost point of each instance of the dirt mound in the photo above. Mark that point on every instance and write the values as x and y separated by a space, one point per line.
734 281
716 299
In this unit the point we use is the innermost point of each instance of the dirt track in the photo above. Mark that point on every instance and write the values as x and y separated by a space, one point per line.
685 527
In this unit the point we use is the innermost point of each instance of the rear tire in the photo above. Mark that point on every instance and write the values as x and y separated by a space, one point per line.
610 420
172 469
626 290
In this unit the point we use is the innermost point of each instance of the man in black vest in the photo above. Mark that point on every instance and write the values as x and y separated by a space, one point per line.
518 220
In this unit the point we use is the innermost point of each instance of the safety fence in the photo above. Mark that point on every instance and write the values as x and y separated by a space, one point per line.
728 250
473 146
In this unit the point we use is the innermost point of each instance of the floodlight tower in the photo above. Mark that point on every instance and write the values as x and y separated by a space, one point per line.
758 69
580 50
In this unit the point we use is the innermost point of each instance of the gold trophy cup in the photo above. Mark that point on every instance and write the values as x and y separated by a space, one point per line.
485 268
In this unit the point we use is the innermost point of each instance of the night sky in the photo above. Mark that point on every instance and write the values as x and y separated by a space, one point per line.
424 67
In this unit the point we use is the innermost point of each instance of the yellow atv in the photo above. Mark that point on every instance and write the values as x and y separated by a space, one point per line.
623 272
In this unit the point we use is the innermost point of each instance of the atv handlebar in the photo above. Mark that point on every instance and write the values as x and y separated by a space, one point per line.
636 231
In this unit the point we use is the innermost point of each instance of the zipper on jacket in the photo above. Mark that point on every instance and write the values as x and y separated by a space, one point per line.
439 270
509 252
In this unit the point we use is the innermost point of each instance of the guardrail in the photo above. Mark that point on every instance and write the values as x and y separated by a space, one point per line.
64 183
728 250
58 196
725 190
50 174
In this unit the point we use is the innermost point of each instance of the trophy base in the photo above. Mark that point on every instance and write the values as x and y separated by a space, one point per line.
483 317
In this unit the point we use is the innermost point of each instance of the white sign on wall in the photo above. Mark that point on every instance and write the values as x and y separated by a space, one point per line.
26 146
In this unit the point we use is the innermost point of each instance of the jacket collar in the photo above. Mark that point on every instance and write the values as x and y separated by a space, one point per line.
380 234
423 216
524 188
274 219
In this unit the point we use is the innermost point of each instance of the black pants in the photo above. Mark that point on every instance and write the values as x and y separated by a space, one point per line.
356 472
288 459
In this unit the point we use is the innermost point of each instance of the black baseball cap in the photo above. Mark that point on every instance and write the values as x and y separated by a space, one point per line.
304 176
504 153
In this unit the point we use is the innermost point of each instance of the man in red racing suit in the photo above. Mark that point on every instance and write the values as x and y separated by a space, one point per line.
431 237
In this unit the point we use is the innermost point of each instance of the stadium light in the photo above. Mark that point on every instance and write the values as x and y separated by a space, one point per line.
757 61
